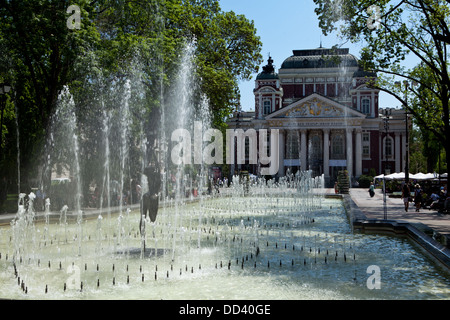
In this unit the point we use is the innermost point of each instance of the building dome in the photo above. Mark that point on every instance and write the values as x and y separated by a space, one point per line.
320 58
268 71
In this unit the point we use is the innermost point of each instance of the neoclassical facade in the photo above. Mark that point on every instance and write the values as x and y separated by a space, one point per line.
328 117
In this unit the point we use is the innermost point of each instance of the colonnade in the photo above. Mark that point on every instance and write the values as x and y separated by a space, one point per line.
353 149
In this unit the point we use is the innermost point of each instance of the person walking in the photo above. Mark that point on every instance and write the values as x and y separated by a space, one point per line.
406 194
418 197
372 190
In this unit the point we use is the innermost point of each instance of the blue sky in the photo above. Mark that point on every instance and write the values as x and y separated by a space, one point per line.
283 26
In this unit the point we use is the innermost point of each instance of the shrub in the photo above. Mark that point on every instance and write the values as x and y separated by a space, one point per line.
364 181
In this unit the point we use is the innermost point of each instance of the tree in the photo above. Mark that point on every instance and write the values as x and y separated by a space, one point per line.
428 110
228 49
390 32
42 52
417 159
117 40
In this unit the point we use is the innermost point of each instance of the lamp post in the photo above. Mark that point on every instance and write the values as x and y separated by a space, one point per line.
238 162
386 114
407 85
407 148
4 89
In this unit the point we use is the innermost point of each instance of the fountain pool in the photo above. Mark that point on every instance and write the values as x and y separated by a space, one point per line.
271 245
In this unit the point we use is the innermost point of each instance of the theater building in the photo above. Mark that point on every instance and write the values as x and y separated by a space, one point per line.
329 118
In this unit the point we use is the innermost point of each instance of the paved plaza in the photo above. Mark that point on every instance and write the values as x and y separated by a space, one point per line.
373 208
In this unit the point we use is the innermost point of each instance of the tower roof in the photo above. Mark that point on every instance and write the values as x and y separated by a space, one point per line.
268 71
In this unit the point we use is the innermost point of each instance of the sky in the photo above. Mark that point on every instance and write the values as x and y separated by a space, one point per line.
283 26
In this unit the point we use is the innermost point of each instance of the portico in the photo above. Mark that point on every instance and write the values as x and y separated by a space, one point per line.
318 134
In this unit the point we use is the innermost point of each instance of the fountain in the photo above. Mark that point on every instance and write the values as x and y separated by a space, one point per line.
276 243
255 239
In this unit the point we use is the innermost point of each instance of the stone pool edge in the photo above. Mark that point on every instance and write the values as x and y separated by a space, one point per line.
360 223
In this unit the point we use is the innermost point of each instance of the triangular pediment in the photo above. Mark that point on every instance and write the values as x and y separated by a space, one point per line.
316 106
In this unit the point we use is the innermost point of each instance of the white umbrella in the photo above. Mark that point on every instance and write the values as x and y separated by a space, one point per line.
422 176
396 176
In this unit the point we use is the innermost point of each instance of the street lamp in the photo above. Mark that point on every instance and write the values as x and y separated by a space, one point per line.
386 115
4 89
407 148
407 85
238 116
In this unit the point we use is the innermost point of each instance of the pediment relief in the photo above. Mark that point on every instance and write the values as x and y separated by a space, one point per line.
316 106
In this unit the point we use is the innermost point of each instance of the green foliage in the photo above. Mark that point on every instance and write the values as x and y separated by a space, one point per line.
418 28
39 55
364 181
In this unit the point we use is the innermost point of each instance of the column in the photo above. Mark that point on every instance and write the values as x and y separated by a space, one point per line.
273 107
358 153
260 105
398 162
326 152
358 101
349 143
372 105
281 146
403 153
303 151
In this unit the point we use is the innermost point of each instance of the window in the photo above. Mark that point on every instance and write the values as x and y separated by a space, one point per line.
366 151
365 106
292 145
338 147
267 107
388 147
268 143
366 137
315 141
366 144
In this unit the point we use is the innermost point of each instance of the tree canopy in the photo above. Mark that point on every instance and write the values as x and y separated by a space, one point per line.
40 54
390 31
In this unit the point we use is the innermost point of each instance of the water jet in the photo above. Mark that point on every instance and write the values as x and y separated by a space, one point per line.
241 218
